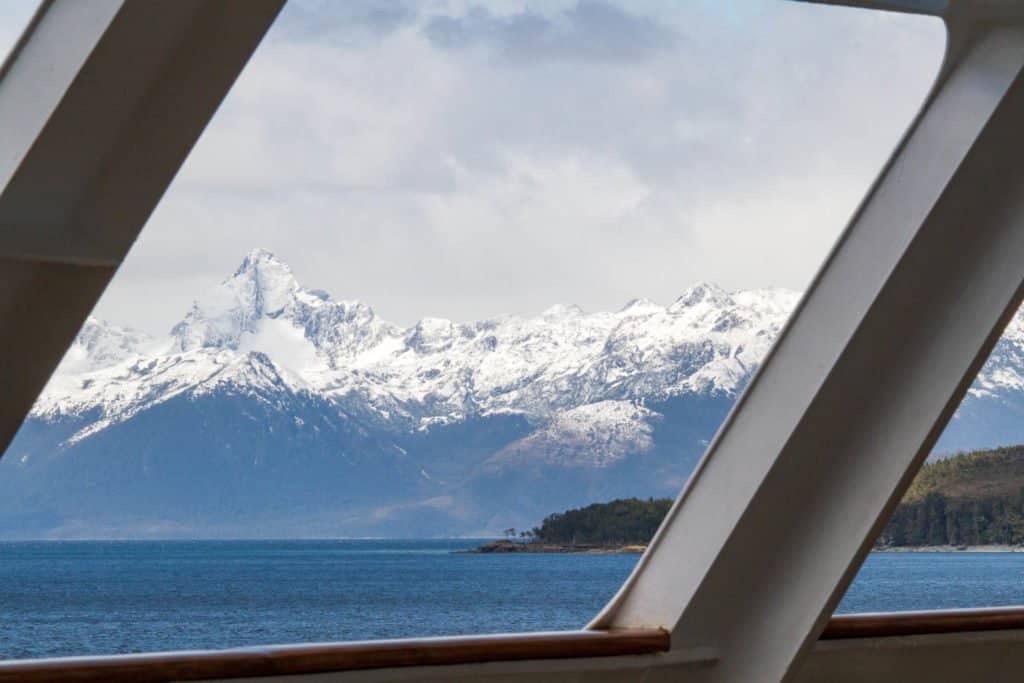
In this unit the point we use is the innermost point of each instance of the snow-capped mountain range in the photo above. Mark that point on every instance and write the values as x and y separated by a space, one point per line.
436 371
441 427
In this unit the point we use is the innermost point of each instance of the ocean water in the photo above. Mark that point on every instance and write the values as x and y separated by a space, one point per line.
75 598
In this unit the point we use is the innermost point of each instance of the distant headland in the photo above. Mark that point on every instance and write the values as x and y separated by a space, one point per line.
969 502
623 526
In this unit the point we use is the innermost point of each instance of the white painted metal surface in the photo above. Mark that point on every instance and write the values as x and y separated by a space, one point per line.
773 526
99 105
104 99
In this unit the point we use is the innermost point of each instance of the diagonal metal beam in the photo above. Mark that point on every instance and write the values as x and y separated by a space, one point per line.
780 514
100 103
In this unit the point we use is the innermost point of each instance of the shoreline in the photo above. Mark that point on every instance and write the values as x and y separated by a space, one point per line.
951 549
503 547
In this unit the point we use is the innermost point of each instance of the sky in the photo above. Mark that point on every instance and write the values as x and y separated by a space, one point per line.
464 160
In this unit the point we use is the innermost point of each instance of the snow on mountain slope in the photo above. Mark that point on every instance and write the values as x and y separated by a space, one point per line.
100 344
707 342
620 428
273 402
438 371
117 392
1005 367
992 413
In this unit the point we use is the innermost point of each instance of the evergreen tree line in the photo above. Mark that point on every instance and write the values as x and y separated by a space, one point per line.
937 519
969 499
626 521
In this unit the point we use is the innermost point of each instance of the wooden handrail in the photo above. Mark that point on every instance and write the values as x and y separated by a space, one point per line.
318 658
884 625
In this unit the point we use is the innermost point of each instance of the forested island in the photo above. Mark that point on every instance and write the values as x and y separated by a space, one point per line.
970 499
625 525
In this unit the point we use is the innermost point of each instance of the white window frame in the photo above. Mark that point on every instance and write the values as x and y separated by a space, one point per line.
102 100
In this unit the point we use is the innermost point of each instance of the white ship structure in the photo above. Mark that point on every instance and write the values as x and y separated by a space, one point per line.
100 103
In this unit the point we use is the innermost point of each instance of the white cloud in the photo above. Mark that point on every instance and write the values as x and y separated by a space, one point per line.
507 173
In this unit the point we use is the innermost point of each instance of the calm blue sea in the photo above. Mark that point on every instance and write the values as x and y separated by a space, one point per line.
73 598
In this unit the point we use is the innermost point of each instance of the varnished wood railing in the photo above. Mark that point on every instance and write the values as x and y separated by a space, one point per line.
307 659
318 658
889 624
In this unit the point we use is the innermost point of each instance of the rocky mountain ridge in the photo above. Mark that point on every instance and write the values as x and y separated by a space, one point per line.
275 409
436 372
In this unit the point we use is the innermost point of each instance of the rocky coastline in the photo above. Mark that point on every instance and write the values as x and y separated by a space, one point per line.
504 547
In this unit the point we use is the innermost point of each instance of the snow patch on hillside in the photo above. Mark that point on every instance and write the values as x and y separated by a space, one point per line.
594 435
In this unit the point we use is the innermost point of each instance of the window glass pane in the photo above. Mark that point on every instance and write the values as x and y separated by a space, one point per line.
434 272
955 539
